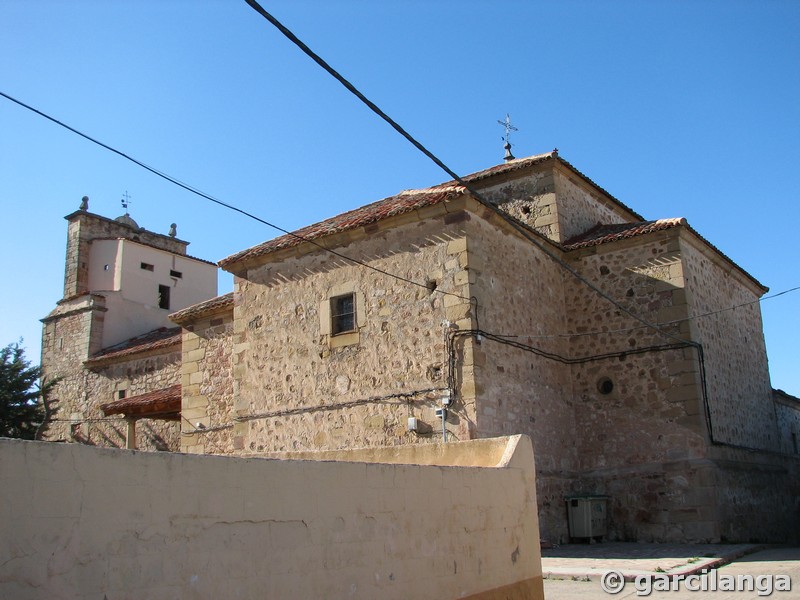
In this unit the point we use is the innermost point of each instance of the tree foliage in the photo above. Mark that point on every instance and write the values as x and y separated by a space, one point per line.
20 411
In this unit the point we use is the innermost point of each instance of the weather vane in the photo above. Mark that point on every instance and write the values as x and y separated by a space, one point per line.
509 128
126 199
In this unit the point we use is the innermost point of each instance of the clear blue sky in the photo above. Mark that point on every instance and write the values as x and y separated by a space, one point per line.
679 109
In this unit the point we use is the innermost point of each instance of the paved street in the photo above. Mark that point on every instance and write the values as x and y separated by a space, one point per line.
769 562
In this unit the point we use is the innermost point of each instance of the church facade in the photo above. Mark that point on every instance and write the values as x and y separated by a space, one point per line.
545 307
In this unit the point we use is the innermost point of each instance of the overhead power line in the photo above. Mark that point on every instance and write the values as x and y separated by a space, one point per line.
202 194
526 232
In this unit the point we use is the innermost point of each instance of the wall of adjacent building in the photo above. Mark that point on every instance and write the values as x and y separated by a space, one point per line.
207 386
74 403
758 495
787 413
86 523
83 228
132 293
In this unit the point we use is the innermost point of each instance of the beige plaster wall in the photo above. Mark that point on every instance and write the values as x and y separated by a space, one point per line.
132 292
85 227
87 523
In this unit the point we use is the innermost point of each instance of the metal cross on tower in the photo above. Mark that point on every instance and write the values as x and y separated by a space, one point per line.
509 128
126 199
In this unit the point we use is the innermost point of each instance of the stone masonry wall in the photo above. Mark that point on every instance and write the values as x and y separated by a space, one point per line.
580 209
787 414
653 411
740 395
75 401
530 199
136 376
66 342
643 441
519 292
297 387
554 203
207 384
758 495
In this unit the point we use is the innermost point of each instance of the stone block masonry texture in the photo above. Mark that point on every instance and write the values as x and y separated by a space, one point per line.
285 363
208 353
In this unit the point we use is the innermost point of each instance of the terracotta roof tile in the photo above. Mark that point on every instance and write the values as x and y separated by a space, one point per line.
601 234
401 203
190 313
163 337
160 402
404 202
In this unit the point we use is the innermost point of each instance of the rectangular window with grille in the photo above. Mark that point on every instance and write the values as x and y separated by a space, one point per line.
343 314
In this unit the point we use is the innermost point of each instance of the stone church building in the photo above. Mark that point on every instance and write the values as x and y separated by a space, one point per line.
553 310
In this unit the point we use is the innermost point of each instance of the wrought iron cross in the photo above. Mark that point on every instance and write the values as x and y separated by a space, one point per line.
126 199
508 126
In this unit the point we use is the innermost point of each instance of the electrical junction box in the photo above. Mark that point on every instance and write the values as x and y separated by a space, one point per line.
441 413
587 516
413 424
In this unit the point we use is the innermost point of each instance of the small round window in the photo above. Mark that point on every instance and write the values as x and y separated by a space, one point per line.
605 385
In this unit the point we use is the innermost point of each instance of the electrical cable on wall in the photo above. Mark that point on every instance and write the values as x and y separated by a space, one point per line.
504 340
525 231
529 234
404 398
